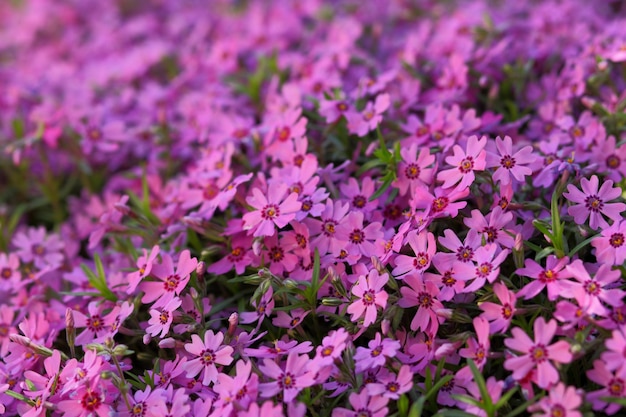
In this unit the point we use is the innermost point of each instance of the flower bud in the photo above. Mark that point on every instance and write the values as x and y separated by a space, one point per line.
332 301
200 269
70 330
233 321
167 343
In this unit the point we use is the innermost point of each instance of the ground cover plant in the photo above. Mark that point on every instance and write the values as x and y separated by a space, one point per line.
291 208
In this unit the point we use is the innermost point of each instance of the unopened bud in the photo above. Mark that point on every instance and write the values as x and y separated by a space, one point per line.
194 293
200 269
167 343
385 326
291 284
70 330
446 313
122 208
28 343
518 251
106 375
378 265
332 301
122 350
233 321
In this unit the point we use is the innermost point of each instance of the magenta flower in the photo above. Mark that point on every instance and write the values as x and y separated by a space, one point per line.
590 292
144 267
172 282
332 347
537 355
364 404
376 353
424 296
209 353
237 391
370 293
424 247
613 384
161 318
611 244
487 266
396 386
362 122
510 165
493 227
360 238
277 208
10 275
561 401
290 381
35 245
413 170
478 350
88 400
615 354
98 325
499 316
593 203
547 277
464 163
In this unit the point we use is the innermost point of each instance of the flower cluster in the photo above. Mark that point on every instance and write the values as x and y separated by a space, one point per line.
312 208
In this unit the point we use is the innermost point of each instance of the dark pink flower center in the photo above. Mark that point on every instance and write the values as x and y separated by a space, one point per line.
283 134
236 254
507 162
94 323
547 276
357 236
164 317
507 311
393 387
359 201
377 351
171 283
466 165
296 188
369 297
287 381
491 234
538 353
425 300
484 269
412 171
464 254
613 161
616 387
557 410
90 401
38 249
138 409
6 273
270 212
307 205
616 240
592 287
207 357
447 279
276 254
594 203
421 260
301 240
439 204
328 228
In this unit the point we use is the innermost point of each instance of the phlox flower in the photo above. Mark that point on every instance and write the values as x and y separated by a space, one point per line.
208 354
615 355
611 244
593 203
424 296
98 326
332 347
538 354
277 208
463 252
494 387
478 350
464 163
291 319
547 277
499 316
290 381
395 386
358 194
242 389
369 118
562 401
451 277
35 245
613 384
493 226
171 282
424 247
364 404
592 292
510 164
444 202
360 238
278 255
147 403
323 232
144 267
263 308
487 266
239 257
10 275
376 353
370 294
413 170
161 318
267 409
87 400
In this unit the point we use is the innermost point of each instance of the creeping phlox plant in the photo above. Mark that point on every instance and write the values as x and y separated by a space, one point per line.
289 208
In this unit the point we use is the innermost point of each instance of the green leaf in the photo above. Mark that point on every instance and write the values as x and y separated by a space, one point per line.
614 400
543 228
387 180
454 413
482 387
98 281
581 245
505 398
418 406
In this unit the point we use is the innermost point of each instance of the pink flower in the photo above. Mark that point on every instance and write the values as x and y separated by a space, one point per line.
613 384
499 315
36 246
87 400
414 170
538 354
493 226
615 354
364 404
290 381
594 203
393 388
424 247
590 292
544 277
478 350
487 266
10 275
98 326
209 353
370 293
370 117
562 401
144 267
510 165
161 318
464 163
376 353
171 282
424 296
360 239
275 209
611 244
332 347
237 391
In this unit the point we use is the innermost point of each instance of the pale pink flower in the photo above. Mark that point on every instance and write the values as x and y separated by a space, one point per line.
370 293
275 209
209 353
593 203
510 164
464 163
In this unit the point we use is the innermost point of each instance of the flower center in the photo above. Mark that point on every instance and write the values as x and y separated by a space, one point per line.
236 254
594 203
369 298
492 234
329 227
507 162
557 410
359 201
307 205
412 171
38 249
484 269
6 273
269 212
425 300
301 240
616 240
95 323
138 410
613 161
357 236
284 133
377 351
538 353
342 106
164 317
421 261
171 283
464 254
447 279
592 287
547 276
90 401
207 357
507 311
287 381
327 351
393 387
296 188
211 191
276 254
616 387
466 165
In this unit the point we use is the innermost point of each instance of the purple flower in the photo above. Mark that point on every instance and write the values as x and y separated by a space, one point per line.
289 381
510 164
593 203
209 353
370 293
275 209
